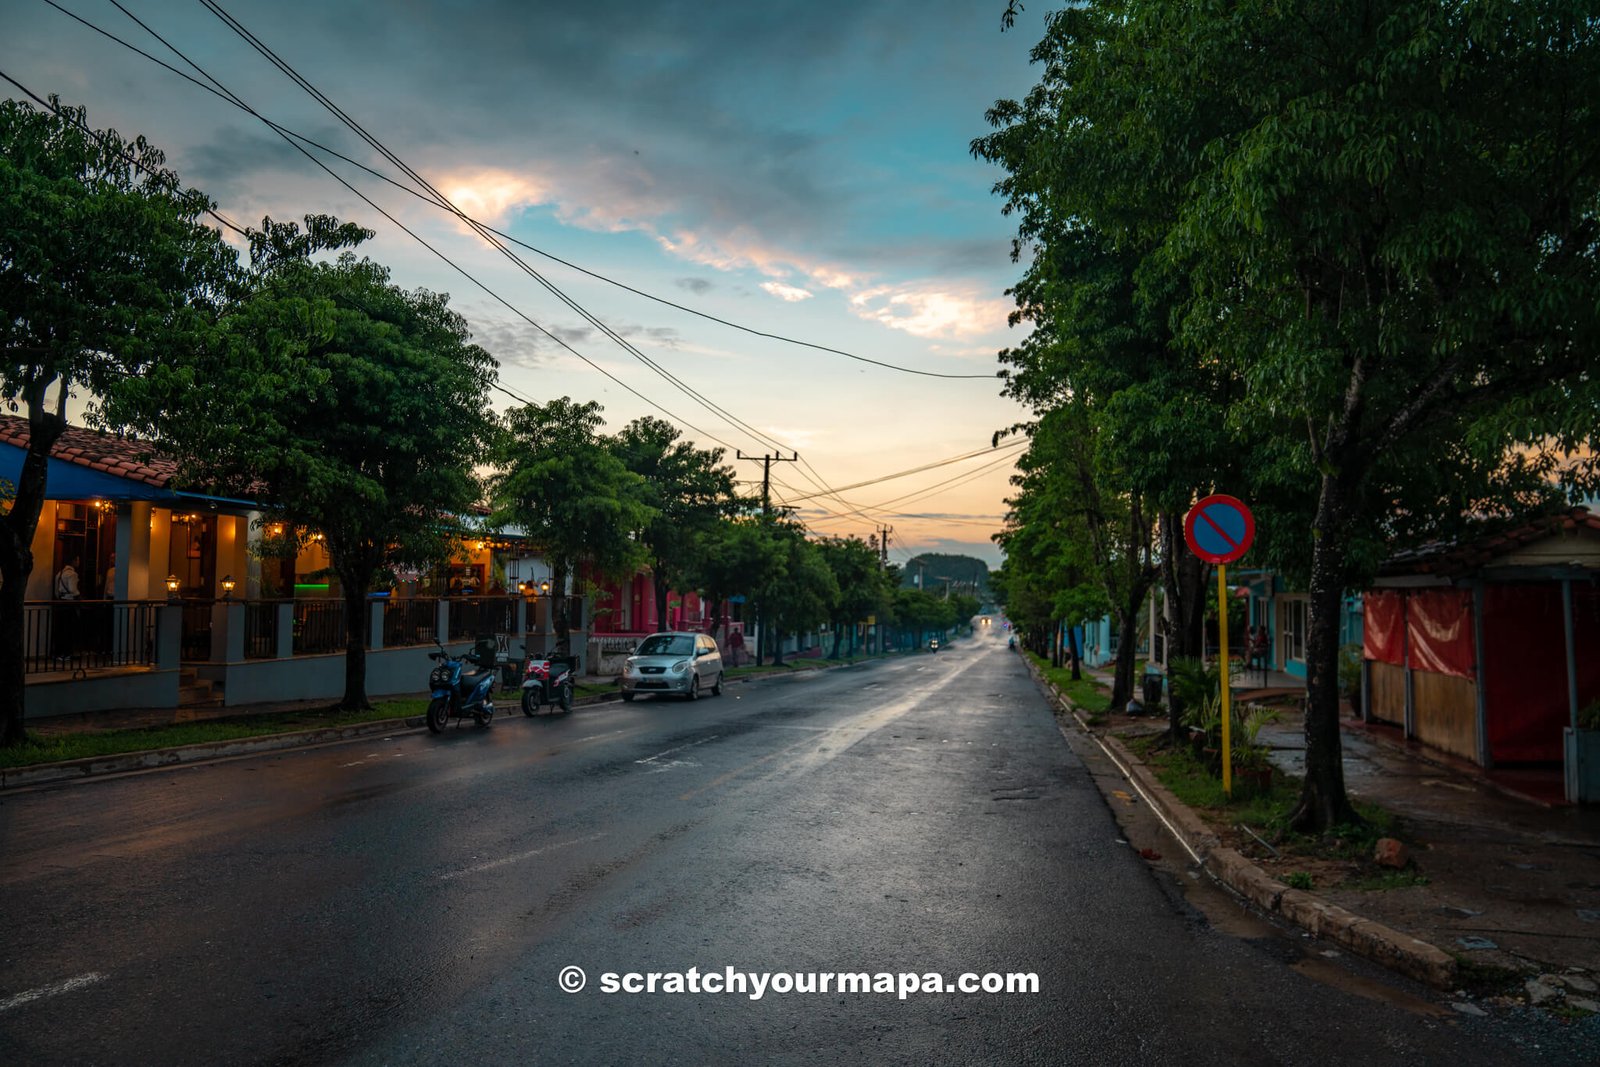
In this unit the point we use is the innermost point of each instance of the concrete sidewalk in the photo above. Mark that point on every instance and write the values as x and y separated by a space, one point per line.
1498 883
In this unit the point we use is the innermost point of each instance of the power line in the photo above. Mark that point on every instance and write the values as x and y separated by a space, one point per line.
435 197
751 330
100 139
443 201
232 98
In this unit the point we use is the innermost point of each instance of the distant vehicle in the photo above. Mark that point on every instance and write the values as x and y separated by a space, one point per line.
674 662
933 645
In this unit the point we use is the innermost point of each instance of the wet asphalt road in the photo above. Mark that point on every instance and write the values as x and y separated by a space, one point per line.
414 899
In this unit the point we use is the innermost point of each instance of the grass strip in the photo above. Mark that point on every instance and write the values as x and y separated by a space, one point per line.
54 748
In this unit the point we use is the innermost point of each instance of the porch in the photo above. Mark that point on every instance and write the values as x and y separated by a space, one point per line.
86 656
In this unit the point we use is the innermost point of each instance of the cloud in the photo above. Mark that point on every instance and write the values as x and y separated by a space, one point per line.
491 196
697 286
787 293
931 311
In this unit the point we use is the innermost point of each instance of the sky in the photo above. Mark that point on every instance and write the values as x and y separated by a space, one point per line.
800 168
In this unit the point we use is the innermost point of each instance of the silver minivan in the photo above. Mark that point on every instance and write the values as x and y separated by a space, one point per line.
676 662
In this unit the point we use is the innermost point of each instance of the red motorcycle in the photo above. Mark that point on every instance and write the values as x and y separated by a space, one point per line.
547 681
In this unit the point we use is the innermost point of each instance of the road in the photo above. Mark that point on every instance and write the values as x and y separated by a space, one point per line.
414 899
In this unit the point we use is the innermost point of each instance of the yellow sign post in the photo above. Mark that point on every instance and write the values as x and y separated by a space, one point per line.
1227 680
1219 530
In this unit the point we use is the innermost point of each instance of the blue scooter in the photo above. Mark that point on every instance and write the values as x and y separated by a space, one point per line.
457 691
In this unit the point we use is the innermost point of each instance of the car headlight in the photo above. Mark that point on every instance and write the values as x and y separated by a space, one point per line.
680 666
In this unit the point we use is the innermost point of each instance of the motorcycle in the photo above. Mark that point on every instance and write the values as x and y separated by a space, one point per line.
457 692
547 681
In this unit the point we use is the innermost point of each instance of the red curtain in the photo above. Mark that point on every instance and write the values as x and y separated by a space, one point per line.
1439 627
1383 626
1525 673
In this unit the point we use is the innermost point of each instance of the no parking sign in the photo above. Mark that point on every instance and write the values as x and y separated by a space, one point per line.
1219 528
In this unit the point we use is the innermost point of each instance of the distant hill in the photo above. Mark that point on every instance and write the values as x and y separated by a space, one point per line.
965 574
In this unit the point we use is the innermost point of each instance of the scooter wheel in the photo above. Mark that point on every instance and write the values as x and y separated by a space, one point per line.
530 702
438 714
564 698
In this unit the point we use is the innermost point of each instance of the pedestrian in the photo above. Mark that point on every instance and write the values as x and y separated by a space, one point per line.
108 589
64 618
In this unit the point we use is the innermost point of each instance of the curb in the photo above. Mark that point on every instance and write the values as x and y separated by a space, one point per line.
1374 941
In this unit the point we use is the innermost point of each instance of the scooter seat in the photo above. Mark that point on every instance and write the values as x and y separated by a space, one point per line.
470 679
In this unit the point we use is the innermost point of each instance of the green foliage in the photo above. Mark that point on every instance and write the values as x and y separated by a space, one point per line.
937 569
1317 254
797 595
1300 880
358 408
1350 672
572 497
688 490
106 271
862 583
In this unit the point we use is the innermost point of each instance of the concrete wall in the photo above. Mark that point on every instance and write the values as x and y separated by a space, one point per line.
390 672
135 688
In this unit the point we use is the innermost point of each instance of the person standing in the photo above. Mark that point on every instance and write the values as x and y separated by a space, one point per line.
64 621
109 587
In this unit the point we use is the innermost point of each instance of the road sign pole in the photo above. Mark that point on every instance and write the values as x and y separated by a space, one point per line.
1227 680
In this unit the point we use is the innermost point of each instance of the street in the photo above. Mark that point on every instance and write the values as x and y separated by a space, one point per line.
414 899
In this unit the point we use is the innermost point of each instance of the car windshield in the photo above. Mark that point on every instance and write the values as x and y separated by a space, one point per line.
666 645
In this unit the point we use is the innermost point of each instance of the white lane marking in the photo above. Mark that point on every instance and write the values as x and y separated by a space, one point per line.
55 990
680 748
518 858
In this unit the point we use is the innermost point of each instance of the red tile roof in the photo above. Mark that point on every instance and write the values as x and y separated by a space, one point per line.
121 457
1450 558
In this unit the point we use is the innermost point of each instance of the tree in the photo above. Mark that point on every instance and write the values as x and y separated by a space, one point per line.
860 580
796 595
734 557
105 270
688 490
1376 224
357 409
570 495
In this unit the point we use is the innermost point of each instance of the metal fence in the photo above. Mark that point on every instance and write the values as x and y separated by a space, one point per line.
411 622
87 634
471 616
318 626
261 628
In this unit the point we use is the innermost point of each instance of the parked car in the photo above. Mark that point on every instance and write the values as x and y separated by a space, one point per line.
676 662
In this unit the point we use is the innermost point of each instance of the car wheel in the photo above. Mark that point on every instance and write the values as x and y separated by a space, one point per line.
716 687
694 687
627 698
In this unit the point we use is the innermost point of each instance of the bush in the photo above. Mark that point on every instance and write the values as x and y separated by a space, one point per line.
1350 673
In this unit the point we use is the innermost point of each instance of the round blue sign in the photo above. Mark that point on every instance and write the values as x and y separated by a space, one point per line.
1219 528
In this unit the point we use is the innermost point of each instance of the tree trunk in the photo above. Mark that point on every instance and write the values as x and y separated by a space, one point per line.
1127 655
838 636
357 630
1323 801
1075 652
1184 580
558 609
17 528
659 578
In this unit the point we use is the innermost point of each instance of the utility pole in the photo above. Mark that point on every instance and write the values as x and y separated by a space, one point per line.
766 475
766 512
883 546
